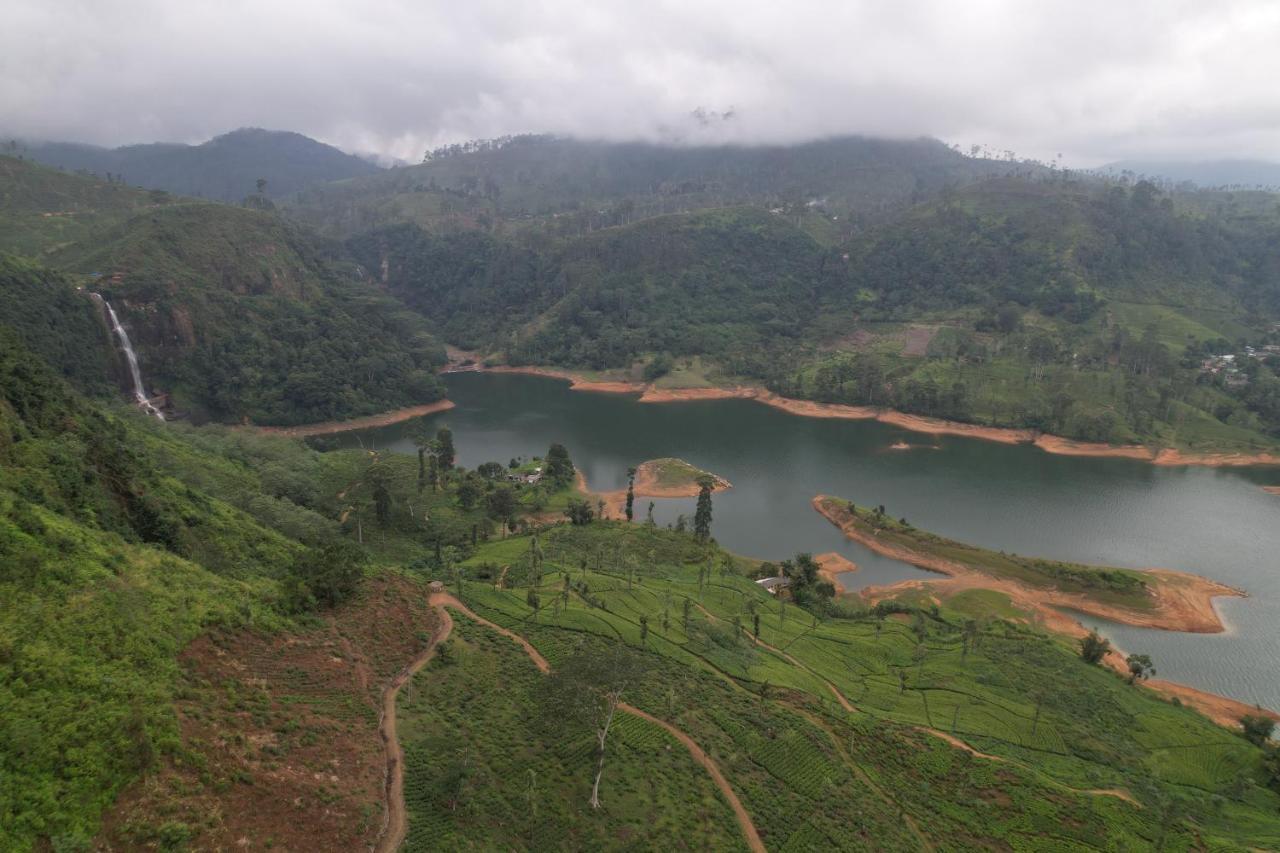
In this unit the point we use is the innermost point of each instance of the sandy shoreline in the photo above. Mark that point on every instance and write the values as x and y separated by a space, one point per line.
1271 490
831 565
369 422
1182 601
1187 602
916 423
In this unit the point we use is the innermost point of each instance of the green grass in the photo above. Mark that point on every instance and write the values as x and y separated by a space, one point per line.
672 473
527 779
1063 727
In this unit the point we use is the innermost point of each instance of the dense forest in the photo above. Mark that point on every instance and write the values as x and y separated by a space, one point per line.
236 313
1055 302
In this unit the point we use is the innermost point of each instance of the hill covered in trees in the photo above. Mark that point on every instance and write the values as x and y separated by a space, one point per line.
1061 303
236 313
226 168
587 184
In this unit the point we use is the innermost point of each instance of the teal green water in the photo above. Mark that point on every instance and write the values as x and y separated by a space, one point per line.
1215 522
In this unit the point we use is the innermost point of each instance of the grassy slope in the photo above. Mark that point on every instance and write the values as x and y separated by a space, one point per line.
1078 728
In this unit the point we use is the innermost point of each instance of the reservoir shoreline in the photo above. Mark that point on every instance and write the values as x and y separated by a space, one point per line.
1057 445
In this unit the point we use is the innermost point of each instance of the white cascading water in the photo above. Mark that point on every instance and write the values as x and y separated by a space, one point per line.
139 392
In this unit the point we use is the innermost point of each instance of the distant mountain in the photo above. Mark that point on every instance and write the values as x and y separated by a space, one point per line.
226 168
591 183
1250 174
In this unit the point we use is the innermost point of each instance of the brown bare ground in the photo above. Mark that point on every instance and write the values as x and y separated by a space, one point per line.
1271 490
282 733
380 420
916 339
831 565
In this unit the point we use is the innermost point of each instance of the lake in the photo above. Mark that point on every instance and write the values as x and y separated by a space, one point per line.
1214 522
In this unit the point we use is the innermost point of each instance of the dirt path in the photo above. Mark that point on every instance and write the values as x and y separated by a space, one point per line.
393 835
394 830
840 697
739 811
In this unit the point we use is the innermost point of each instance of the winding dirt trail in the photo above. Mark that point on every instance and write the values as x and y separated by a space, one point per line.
695 751
840 697
394 832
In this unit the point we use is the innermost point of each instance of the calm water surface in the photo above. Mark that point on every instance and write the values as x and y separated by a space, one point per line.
1215 522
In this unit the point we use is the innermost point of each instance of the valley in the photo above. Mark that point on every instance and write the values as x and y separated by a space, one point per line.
382 576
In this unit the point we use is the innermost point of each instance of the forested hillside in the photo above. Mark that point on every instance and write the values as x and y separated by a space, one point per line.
226 168
236 313
585 184
1038 299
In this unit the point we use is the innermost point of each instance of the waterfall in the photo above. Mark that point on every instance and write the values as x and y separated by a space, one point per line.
139 391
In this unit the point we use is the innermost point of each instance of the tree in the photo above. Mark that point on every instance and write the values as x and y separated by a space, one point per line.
968 637
579 512
648 519
755 627
329 574
558 466
1094 647
501 504
445 452
1257 728
534 602
490 470
423 442
1140 667
587 688
644 630
469 492
702 513
261 183
381 495
631 493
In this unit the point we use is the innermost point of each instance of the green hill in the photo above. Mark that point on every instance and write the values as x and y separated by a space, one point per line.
1060 303
588 184
226 168
236 313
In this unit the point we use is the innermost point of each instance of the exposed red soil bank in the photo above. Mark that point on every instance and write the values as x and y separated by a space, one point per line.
1181 601
917 423
831 565
1184 604
379 420
280 732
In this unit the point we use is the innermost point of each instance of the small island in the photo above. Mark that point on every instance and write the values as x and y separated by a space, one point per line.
667 477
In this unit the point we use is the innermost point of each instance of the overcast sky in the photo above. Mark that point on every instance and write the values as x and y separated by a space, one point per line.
1096 81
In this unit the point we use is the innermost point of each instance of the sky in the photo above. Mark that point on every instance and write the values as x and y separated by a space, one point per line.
1092 81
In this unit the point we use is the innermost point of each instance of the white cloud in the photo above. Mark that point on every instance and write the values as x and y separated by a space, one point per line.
1095 80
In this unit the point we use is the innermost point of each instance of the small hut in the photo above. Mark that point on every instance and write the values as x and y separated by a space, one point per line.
436 586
